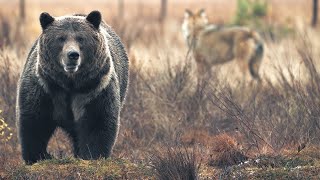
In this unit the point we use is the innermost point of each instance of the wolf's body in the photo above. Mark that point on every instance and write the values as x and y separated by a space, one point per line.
212 45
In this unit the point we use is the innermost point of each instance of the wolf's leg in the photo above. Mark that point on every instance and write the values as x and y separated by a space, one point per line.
200 65
243 66
200 71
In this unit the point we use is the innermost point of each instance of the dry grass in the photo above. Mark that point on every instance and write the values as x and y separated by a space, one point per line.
78 169
167 104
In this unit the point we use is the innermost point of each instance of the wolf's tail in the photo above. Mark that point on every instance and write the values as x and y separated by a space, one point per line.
256 58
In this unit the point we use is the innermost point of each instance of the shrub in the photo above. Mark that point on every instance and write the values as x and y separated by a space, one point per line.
226 152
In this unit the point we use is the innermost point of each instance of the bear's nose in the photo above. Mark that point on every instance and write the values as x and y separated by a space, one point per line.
73 55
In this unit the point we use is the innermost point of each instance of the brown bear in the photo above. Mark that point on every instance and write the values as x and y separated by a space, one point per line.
75 78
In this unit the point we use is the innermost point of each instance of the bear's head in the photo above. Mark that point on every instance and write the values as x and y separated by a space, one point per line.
72 45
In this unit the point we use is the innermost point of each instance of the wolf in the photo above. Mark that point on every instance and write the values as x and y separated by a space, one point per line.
212 45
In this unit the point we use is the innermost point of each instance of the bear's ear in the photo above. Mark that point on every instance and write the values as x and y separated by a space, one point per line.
45 20
94 18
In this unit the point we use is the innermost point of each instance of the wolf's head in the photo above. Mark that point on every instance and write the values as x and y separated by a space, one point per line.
193 22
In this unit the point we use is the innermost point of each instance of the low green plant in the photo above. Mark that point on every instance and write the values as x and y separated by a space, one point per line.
5 130
249 11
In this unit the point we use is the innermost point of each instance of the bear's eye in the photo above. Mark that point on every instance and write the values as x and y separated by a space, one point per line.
80 39
61 39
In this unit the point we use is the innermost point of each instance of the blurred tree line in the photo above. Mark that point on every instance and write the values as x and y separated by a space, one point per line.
162 14
314 13
22 10
258 9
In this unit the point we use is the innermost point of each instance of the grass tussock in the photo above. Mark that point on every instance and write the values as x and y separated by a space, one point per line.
176 163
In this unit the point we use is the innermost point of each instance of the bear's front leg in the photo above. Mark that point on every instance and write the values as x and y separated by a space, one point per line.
34 139
35 124
98 126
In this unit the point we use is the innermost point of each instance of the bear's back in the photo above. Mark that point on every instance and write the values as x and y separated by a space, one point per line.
120 59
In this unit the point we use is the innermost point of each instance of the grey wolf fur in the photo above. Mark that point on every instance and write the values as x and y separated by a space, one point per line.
212 45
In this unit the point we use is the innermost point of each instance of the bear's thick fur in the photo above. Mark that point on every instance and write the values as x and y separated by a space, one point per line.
75 78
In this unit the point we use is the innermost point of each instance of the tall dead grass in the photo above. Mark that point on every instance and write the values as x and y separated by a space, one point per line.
277 116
